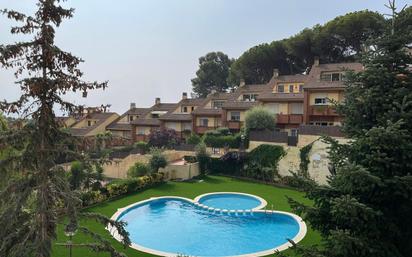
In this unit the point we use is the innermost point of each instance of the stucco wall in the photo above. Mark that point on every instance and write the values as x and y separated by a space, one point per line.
186 171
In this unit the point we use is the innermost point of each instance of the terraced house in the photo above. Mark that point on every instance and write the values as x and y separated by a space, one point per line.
122 126
325 86
284 98
149 120
295 100
180 118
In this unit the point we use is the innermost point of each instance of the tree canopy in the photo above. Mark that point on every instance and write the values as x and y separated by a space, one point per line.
212 74
39 191
365 209
340 39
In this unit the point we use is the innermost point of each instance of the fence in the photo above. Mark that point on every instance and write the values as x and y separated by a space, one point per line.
333 131
273 136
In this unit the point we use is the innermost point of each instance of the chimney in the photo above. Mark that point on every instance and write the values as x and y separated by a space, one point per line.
157 100
242 83
132 105
275 73
316 61
184 96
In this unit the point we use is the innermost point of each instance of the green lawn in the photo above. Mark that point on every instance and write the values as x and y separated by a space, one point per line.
273 195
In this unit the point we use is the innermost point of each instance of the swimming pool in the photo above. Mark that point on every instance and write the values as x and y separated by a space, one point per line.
168 226
231 201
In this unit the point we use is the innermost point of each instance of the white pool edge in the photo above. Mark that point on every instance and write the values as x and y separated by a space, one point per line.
263 202
299 236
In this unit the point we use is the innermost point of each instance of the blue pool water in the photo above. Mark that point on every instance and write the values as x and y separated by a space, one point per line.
230 201
177 226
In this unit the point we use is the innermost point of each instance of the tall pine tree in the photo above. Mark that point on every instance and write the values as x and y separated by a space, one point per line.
366 209
39 190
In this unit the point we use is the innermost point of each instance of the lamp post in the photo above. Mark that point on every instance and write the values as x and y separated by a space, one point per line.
70 231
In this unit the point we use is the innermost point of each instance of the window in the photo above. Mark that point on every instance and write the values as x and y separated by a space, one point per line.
131 118
184 109
140 131
297 108
273 108
204 122
89 123
187 126
294 132
193 108
250 97
155 115
290 88
300 88
321 101
335 76
235 116
218 104
281 88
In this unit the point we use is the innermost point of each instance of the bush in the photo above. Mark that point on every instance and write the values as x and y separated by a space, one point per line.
304 159
138 170
259 118
157 161
266 155
92 197
220 141
193 139
163 138
142 147
202 157
77 175
123 186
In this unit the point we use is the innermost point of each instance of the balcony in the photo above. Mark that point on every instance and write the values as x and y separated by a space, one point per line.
289 119
322 110
233 124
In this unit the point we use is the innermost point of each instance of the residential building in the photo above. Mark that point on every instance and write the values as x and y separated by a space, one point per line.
180 118
92 123
284 98
122 126
325 86
208 116
244 98
66 121
149 121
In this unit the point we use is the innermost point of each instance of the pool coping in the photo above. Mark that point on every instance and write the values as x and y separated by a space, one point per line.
262 204
299 236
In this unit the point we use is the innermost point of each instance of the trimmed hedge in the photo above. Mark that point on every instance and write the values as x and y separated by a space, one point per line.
120 187
267 155
220 141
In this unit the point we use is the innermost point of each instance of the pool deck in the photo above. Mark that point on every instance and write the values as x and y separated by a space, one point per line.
259 209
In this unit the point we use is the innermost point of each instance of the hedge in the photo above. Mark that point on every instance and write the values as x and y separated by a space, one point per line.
120 187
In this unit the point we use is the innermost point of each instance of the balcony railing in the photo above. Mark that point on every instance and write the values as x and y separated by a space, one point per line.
322 110
289 119
233 124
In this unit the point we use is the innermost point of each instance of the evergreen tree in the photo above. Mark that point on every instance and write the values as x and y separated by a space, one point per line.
39 190
366 208
212 74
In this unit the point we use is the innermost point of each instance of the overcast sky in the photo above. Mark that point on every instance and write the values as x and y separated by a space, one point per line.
150 48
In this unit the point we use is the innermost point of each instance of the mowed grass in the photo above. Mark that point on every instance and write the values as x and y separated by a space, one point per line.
273 195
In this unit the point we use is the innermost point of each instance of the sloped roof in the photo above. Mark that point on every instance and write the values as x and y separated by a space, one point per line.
176 117
316 70
100 117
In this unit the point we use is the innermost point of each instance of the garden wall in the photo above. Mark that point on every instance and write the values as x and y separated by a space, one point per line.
180 171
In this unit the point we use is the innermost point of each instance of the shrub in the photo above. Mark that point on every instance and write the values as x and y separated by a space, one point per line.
163 138
138 170
202 157
92 197
193 139
77 175
304 159
267 155
157 161
220 141
259 118
142 147
123 186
